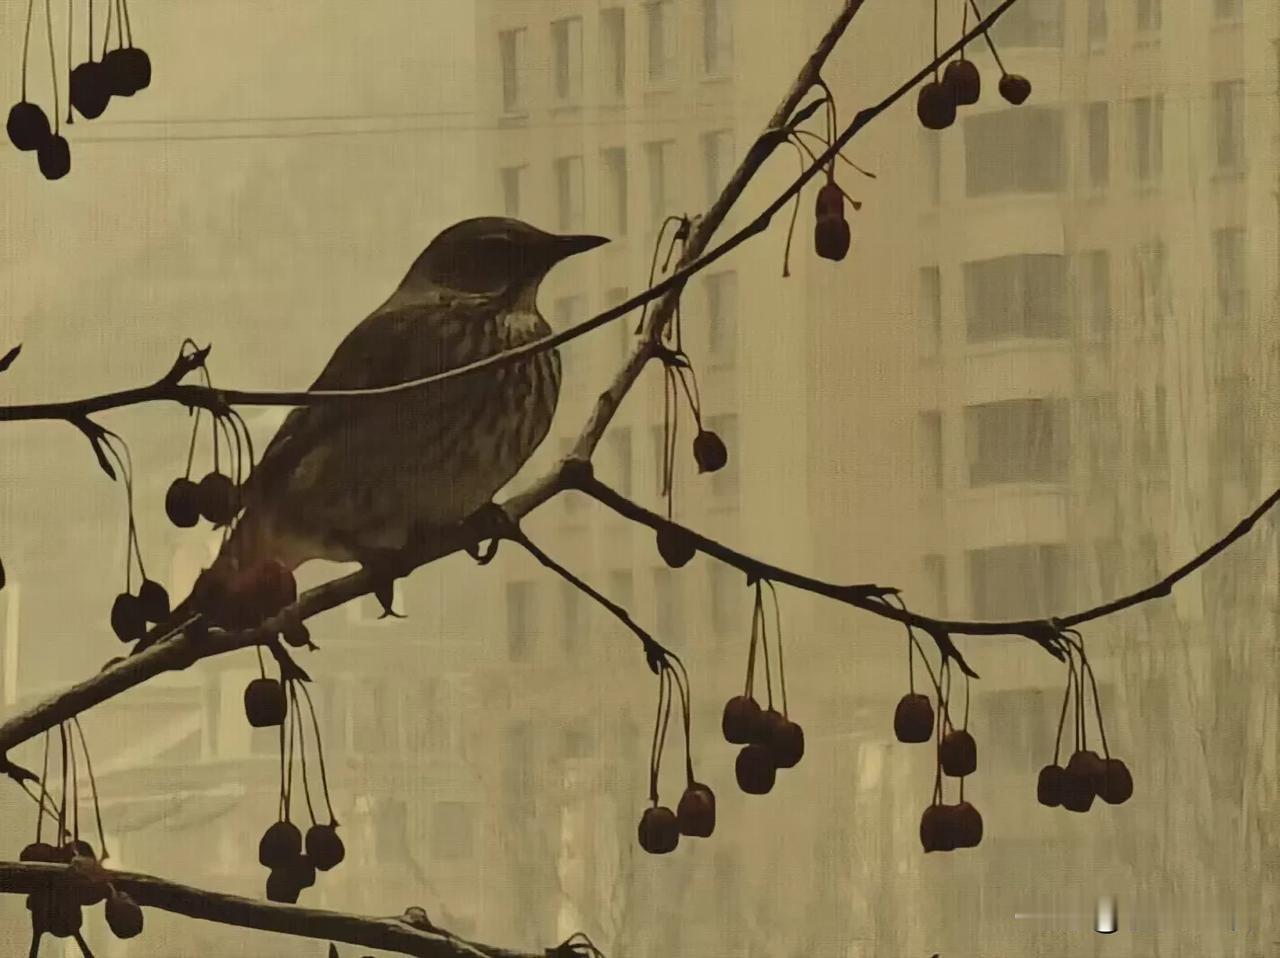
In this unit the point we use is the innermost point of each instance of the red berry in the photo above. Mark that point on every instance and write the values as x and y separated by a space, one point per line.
282 886
913 718
963 80
659 832
830 201
831 237
741 716
53 156
767 727
28 126
39 852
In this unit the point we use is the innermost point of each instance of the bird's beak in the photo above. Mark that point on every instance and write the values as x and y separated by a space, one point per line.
572 245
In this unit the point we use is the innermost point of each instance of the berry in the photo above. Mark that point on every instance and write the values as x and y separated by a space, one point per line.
280 845
935 106
767 726
28 127
81 848
153 600
709 451
282 887
301 871
1050 786
54 157
1114 783
913 718
830 201
963 80
324 847
675 546
39 852
128 621
139 67
696 813
182 503
65 916
1015 88
786 741
755 770
831 237
959 753
741 716
1079 781
116 73
936 834
90 90
218 498
124 915
265 704
967 825
659 832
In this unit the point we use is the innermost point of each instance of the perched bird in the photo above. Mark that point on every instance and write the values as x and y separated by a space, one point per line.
358 480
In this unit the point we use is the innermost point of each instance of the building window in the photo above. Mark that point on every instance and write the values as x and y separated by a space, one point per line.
931 449
1030 23
614 164
930 311
1015 296
1151 272
1228 124
662 36
726 599
1148 138
1099 436
569 200
1017 440
668 597
511 50
613 52
619 442
717 37
1148 16
935 576
452 830
724 482
519 760
511 177
1228 9
1097 22
1095 295
1018 581
717 161
521 619
1098 123
662 180
1229 268
722 315
1014 151
571 618
566 54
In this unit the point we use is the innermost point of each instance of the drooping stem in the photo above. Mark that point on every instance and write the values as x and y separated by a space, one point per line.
324 777
93 784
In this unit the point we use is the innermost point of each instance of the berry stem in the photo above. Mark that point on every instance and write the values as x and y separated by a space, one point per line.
93 785
106 38
324 778
1062 719
26 46
764 645
986 35
653 264
295 717
1097 704
44 789
795 213
935 41
71 21
964 26
75 789
191 450
659 733
128 21
89 34
62 806
53 65
694 396
686 695
755 638
777 638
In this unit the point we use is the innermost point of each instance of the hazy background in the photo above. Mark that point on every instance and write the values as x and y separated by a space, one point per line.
1043 377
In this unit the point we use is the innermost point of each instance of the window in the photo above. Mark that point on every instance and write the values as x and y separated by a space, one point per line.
571 617
930 311
1013 151
373 724
625 328
1100 436
1228 9
452 830
724 483
1097 22
511 50
568 172
521 619
662 180
1018 581
931 449
722 315
662 35
1098 124
726 599
935 576
931 146
1231 438
511 177
614 200
1148 19
619 442
717 37
1228 124
1095 295
668 597
519 762
622 588
1148 138
1030 23
1150 268
613 53
1015 296
1229 267
1016 440
566 53
717 161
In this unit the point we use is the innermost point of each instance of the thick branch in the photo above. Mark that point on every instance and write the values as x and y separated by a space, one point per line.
388 934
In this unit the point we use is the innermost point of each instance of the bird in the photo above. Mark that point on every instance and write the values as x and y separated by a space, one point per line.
361 480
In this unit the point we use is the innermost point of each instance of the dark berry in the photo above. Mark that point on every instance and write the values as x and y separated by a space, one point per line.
28 127
658 831
786 741
755 770
913 718
1114 783
967 825
154 601
39 852
65 916
1080 781
139 67
1050 785
265 703
767 727
709 451
218 498
936 834
696 813
282 886
117 74
831 237
959 753
935 106
676 546
963 80
280 845
182 503
124 915
830 201
741 715
128 621
301 871
324 847
53 156
90 92
1015 88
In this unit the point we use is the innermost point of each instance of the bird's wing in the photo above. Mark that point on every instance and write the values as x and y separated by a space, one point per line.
390 346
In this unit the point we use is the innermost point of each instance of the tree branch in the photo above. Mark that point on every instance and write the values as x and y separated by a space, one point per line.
389 934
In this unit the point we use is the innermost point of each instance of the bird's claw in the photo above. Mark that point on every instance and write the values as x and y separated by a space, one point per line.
385 593
489 522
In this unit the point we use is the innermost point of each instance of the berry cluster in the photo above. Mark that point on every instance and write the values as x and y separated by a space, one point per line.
1087 775
961 84
770 739
660 828
119 72
291 858
58 909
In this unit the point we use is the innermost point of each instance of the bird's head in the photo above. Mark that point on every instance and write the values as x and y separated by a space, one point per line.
494 254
